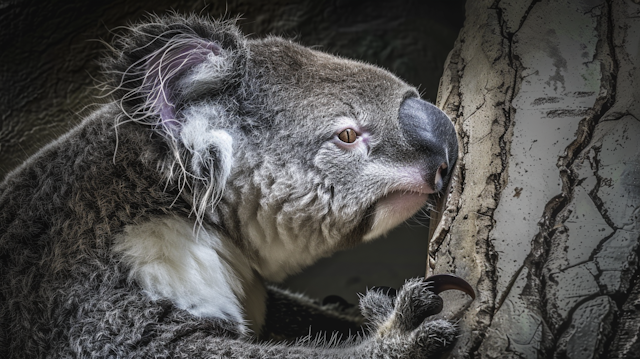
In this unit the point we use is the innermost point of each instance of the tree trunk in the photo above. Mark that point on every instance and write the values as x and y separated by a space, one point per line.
543 216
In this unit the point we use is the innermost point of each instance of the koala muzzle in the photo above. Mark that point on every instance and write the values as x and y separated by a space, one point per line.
431 133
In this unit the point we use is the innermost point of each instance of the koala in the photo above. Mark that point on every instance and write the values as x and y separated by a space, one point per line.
220 165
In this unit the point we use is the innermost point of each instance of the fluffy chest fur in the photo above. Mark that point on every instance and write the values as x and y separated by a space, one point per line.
192 267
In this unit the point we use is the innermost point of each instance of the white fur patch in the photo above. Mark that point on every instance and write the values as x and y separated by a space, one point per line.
394 209
196 271
198 136
403 199
211 155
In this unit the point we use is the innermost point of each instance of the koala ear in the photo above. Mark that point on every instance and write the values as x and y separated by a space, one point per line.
162 64
159 71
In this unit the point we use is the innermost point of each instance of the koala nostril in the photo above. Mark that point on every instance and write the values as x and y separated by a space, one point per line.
444 169
441 173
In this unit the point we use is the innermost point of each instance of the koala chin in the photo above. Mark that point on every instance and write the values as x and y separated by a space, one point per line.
222 163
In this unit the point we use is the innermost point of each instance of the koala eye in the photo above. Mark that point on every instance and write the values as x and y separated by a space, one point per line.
347 136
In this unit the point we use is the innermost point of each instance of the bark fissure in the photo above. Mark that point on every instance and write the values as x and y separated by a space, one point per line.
558 352
516 66
570 179
441 222
593 194
510 285
592 256
621 329
499 179
546 286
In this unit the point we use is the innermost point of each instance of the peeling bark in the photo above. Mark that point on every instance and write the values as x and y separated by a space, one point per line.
544 213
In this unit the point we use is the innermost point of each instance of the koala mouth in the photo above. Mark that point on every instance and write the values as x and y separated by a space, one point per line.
394 208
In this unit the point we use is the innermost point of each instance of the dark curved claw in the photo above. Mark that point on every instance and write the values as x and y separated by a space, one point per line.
442 282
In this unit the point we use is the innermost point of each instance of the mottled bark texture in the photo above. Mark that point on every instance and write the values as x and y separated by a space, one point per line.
544 213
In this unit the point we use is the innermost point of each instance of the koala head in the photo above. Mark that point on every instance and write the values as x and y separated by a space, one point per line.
292 153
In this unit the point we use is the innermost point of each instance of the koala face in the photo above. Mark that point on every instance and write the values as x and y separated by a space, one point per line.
344 152
292 152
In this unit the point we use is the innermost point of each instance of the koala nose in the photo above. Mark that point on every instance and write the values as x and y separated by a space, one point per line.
431 133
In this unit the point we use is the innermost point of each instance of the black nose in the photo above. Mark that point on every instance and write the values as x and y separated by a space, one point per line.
431 133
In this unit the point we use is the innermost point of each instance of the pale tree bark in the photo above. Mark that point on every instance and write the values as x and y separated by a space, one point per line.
543 217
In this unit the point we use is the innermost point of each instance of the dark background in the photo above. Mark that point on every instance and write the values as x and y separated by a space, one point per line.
48 69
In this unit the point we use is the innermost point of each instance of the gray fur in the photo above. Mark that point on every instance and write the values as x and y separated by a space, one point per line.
236 139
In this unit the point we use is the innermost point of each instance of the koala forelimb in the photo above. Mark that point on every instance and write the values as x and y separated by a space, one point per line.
150 229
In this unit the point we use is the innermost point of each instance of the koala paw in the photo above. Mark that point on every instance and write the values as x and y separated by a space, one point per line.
401 330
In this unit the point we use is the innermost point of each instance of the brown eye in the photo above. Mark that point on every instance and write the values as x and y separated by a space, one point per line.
348 136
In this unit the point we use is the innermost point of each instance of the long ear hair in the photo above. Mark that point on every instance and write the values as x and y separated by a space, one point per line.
158 70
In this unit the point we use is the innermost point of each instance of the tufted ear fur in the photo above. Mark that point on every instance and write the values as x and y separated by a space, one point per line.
161 74
160 65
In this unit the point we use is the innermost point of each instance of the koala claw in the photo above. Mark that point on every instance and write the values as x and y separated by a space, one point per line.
441 282
400 324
